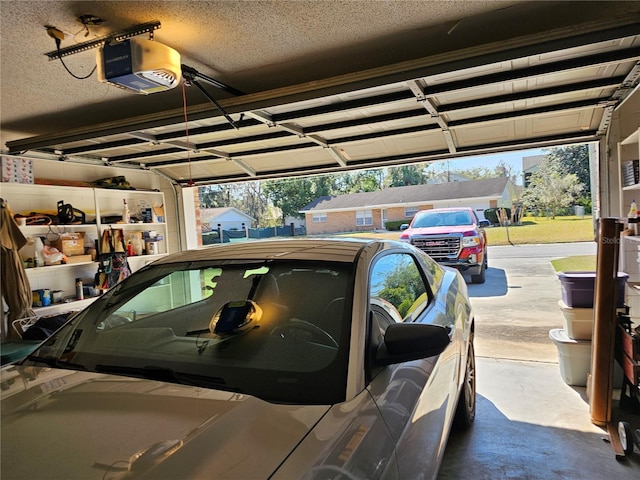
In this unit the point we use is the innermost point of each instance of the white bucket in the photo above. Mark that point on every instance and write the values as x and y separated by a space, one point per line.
574 357
578 322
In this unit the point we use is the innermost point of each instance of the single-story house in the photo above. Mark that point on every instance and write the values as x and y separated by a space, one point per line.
371 210
227 218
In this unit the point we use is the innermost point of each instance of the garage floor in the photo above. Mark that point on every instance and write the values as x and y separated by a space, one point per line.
529 423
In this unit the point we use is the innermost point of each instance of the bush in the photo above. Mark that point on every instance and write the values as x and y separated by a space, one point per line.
491 214
394 225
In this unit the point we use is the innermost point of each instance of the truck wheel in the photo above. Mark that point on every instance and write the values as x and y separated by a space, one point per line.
480 277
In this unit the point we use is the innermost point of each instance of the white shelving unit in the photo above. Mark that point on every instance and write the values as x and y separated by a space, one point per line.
109 203
628 149
97 204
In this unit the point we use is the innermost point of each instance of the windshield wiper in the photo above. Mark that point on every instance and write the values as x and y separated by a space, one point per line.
164 374
56 362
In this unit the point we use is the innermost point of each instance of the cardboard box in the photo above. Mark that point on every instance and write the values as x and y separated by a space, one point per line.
70 244
158 213
78 259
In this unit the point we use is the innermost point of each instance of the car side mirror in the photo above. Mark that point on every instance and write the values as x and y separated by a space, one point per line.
484 223
404 226
404 342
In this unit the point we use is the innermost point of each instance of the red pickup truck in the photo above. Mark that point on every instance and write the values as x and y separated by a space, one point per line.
451 236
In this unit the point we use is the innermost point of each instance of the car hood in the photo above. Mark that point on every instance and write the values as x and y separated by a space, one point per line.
439 230
67 424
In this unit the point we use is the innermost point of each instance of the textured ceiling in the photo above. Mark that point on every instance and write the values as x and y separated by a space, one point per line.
251 45
329 85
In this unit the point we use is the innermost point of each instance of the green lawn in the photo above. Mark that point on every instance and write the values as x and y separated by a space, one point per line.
543 230
577 263
532 231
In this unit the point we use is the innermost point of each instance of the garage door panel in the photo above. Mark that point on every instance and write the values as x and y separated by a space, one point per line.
422 119
406 144
204 169
534 91
307 157
356 112
283 142
466 73
584 50
481 134
570 121
485 91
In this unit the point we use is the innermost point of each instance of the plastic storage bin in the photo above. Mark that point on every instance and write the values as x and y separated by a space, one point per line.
578 288
578 322
574 357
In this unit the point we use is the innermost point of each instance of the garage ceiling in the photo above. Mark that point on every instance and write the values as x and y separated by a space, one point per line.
328 85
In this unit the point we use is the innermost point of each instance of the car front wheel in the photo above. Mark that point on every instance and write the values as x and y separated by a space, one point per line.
466 410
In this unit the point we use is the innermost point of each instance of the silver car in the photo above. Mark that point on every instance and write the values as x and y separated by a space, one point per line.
283 359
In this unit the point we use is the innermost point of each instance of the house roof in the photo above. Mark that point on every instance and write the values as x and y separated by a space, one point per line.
492 187
208 214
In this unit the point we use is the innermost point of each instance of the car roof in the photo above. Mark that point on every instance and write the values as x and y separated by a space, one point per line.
326 249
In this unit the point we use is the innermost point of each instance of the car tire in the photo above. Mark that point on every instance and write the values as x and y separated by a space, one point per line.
466 409
479 278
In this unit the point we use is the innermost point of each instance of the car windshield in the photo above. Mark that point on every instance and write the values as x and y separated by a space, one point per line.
275 330
442 219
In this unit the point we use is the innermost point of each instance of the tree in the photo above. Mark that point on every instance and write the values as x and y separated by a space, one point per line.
574 159
246 197
551 187
251 200
405 175
361 181
291 195
214 196
502 169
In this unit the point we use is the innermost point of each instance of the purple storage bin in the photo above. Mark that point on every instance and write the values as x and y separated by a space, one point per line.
578 288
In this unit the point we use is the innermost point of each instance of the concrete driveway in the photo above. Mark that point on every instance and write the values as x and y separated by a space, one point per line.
529 423
518 303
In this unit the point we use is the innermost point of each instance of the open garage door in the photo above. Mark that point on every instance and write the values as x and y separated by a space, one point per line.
552 88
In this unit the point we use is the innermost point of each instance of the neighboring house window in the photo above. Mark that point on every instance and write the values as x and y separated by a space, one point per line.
410 211
319 218
364 217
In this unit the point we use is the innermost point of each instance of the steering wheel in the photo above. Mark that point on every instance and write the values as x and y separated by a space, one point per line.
318 335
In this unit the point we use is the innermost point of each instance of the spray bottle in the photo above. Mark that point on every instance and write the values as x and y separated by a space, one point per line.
633 217
126 216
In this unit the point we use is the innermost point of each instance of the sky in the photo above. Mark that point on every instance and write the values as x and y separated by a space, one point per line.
492 160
